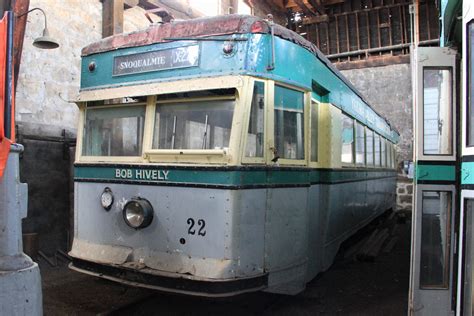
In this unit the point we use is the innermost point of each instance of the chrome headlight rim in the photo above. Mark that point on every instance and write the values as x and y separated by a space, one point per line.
143 207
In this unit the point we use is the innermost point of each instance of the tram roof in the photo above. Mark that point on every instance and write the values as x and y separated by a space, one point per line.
213 26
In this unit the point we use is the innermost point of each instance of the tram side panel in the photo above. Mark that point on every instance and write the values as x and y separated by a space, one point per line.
286 239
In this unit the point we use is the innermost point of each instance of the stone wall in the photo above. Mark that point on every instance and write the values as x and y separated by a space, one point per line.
388 90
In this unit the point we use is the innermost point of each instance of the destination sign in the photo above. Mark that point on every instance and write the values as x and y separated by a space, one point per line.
180 57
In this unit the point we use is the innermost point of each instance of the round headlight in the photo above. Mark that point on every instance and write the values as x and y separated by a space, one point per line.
138 213
107 199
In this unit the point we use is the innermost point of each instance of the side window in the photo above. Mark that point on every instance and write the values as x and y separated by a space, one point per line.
369 145
377 149
114 131
389 154
435 239
437 116
314 131
360 144
347 154
255 134
383 152
289 123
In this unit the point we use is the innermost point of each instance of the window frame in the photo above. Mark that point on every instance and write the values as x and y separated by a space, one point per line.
379 165
314 103
442 59
348 164
271 125
364 163
247 101
452 81
372 165
449 234
196 156
81 132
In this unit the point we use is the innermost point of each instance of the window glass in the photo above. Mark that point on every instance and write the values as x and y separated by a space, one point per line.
255 135
114 131
383 152
369 145
314 131
389 154
437 119
289 123
193 124
435 239
360 143
470 84
377 149
347 155
469 255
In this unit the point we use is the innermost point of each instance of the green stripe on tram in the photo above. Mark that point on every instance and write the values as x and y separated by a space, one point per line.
435 172
224 177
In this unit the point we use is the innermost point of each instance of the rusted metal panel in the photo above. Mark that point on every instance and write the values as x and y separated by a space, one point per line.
83 249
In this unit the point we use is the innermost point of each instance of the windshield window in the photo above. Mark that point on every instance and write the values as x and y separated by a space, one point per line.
193 124
114 131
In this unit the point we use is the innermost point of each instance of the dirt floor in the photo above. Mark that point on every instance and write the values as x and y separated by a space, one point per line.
349 287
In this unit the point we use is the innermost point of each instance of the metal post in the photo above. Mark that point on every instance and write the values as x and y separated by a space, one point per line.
20 280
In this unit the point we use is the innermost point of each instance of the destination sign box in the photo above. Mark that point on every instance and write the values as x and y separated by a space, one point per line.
180 57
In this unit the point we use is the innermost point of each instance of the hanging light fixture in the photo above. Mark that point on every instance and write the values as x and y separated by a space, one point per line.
45 41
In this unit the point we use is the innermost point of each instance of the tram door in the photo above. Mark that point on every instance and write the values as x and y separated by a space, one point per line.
432 255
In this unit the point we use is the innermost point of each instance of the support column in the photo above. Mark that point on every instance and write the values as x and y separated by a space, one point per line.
20 280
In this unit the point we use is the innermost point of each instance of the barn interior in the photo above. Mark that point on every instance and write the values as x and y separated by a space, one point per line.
369 41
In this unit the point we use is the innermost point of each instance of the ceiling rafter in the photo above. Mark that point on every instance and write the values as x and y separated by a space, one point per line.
306 9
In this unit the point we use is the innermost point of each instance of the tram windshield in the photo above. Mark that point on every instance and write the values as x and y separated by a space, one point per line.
193 123
114 130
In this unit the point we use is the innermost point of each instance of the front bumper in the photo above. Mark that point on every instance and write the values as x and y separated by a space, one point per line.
171 282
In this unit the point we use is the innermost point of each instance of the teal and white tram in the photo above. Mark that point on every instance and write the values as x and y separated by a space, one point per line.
222 155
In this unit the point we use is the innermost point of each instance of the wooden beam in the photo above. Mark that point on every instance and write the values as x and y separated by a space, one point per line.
317 6
130 3
306 9
316 19
373 62
112 17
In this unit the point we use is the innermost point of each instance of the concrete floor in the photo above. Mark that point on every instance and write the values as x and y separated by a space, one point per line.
349 287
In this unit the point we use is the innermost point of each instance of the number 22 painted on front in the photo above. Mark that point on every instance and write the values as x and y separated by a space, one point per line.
192 230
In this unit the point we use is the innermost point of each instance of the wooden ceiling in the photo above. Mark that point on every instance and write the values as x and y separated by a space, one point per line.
307 7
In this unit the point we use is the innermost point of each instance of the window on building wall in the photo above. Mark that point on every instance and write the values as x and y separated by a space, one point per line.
314 131
289 123
437 111
347 154
376 149
383 152
470 84
369 147
255 134
360 144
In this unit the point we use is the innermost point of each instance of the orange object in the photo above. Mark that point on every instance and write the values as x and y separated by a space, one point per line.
4 142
